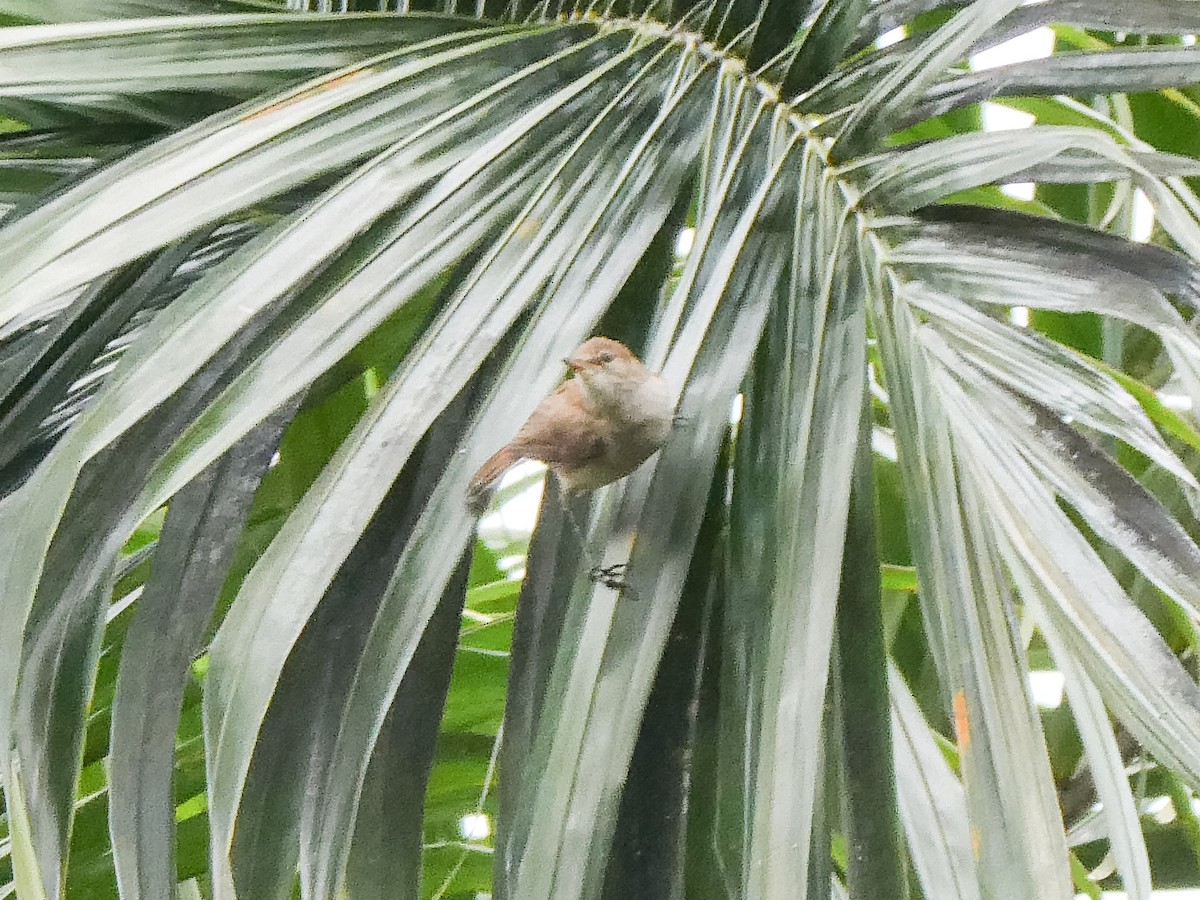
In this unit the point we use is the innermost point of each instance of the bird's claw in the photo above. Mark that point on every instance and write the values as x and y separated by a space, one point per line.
612 577
680 421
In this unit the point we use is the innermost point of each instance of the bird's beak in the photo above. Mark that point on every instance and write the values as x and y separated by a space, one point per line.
572 365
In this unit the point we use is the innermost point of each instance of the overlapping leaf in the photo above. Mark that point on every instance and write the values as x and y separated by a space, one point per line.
549 157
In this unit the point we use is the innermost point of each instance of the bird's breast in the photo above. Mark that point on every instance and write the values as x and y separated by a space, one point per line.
641 428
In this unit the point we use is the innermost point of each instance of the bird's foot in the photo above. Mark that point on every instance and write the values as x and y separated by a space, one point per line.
612 577
680 421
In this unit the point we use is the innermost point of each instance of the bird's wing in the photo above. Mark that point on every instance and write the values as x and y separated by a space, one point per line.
560 432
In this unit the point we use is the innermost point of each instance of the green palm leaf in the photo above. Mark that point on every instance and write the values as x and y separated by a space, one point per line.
229 221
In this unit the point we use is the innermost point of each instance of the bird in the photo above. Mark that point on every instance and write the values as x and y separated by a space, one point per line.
597 427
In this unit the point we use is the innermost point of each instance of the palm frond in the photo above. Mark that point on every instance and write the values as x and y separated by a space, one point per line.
221 219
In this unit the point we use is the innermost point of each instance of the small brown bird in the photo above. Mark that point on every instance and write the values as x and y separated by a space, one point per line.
597 427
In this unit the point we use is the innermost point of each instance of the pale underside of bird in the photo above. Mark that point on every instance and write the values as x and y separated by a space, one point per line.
597 427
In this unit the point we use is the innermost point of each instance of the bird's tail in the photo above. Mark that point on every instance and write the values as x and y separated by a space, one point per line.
479 492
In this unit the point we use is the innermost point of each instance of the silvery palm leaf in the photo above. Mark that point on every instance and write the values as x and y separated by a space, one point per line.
277 281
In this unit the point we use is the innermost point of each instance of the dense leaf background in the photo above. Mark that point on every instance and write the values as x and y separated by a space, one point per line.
276 280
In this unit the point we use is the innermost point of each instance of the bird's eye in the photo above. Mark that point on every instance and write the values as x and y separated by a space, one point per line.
605 357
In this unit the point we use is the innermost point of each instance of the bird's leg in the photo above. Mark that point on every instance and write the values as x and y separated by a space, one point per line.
564 502
612 576
679 420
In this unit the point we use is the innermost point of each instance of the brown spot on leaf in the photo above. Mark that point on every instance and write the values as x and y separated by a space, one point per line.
962 723
313 91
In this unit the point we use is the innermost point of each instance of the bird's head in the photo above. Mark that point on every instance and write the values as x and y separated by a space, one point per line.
607 368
